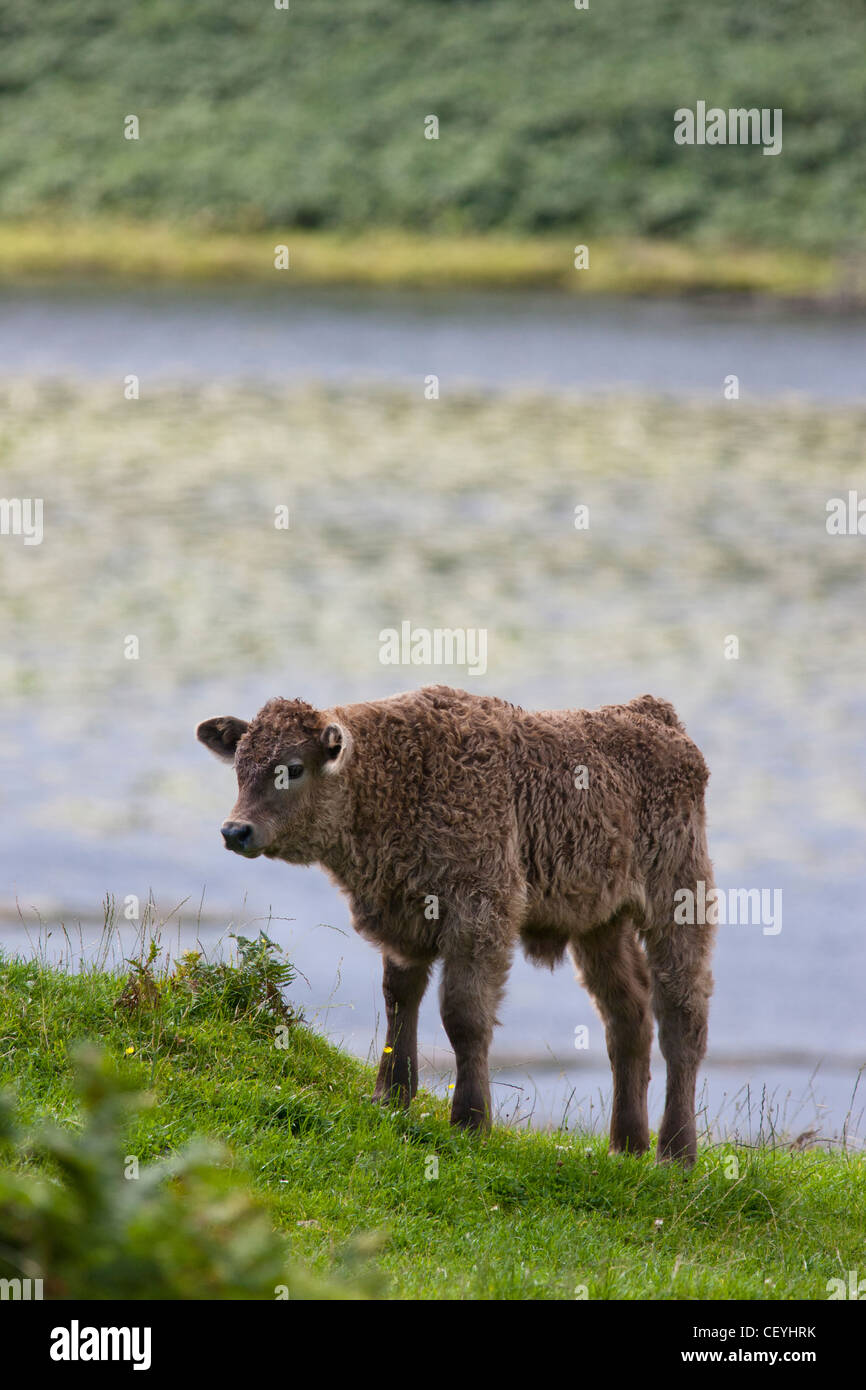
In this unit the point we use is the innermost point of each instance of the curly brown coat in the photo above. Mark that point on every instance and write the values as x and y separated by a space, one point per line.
457 825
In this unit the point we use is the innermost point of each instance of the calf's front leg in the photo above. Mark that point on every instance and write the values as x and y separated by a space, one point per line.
470 993
403 987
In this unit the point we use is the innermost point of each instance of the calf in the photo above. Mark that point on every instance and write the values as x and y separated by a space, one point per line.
459 824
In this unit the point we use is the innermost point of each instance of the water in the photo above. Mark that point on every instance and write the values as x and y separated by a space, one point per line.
707 519
492 340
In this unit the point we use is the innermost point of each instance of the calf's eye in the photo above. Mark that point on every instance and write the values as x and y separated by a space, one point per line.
295 770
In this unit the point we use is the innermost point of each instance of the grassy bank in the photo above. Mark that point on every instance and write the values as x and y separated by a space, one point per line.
515 1215
106 248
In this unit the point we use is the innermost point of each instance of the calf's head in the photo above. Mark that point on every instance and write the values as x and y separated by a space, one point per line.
289 763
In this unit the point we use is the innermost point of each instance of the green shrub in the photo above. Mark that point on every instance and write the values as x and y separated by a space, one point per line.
550 118
249 989
94 1225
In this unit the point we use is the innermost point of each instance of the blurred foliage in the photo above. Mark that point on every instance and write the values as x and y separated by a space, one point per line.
181 1228
92 1220
550 118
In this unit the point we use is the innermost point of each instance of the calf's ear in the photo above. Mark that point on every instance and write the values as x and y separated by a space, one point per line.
222 735
337 747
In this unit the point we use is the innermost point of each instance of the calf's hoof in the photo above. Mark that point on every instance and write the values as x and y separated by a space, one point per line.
470 1117
396 1096
678 1144
633 1145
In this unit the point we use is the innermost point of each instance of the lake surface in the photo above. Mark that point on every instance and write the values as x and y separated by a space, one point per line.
707 519
496 341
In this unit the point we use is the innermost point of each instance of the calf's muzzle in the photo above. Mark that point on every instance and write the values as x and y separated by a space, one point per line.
238 835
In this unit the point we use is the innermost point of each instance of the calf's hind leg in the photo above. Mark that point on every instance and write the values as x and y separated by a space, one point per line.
614 970
682 984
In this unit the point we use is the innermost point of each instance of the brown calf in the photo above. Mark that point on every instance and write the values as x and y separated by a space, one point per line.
458 824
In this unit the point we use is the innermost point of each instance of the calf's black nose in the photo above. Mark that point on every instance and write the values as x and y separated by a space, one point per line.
237 834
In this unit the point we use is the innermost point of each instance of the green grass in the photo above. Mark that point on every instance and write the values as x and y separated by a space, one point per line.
109 248
514 1215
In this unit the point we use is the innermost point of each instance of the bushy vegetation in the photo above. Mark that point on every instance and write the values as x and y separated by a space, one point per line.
84 1215
551 118
374 1201
251 988
100 1227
